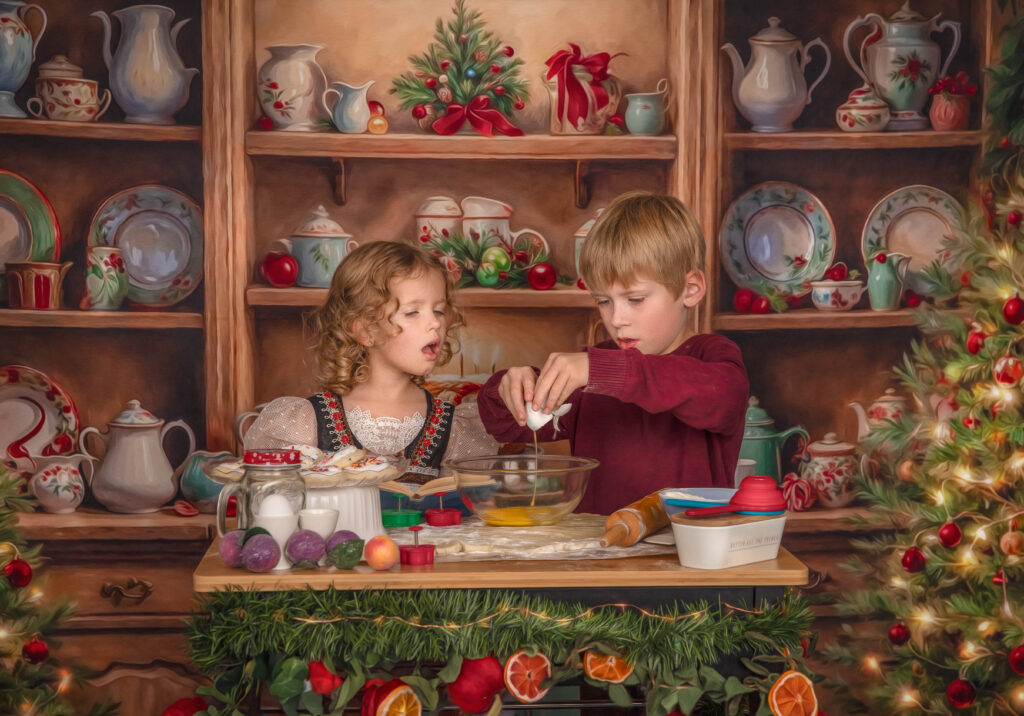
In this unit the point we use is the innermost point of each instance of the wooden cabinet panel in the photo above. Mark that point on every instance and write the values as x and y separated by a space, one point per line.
133 588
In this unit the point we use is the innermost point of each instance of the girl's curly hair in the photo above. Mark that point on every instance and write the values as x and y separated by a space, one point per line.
360 289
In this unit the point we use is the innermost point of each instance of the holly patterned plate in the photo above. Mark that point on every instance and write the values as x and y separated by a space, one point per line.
37 416
777 235
160 233
914 221
28 225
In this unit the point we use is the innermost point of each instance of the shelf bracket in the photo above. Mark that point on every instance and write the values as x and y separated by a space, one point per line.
581 184
338 180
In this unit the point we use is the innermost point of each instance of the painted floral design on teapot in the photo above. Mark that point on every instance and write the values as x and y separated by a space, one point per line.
831 470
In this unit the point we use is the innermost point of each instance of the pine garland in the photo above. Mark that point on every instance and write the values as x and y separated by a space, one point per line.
240 638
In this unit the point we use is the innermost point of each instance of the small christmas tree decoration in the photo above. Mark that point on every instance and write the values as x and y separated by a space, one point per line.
975 339
1016 659
1008 370
35 651
1013 218
462 49
899 634
961 694
999 579
913 560
1011 543
1013 310
950 535
18 572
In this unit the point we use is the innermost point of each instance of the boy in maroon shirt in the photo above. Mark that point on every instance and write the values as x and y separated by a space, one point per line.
658 405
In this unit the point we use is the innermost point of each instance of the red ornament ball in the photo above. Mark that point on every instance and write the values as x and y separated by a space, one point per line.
430 82
499 90
376 108
1013 311
419 111
913 300
965 278
1008 370
971 423
519 104
541 276
495 69
998 578
950 535
743 300
1016 659
1004 142
881 257
507 49
18 572
975 339
463 39
913 560
35 651
580 285
478 681
960 694
521 257
899 634
1013 218
265 122
760 305
445 64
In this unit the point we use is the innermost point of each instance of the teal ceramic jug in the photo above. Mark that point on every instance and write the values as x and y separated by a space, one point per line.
886 272
762 443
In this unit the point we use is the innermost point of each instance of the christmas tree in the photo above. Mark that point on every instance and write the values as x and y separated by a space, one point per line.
466 75
31 683
948 582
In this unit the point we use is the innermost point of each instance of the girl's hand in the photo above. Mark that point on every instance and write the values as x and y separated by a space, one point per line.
561 375
516 389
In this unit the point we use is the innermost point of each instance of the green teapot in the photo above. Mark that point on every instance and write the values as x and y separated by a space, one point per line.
761 442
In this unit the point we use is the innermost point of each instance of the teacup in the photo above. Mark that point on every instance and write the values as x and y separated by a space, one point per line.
322 520
438 216
645 111
106 280
36 284
836 295
69 99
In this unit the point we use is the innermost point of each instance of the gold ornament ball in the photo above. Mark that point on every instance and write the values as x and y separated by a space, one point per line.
377 125
906 471
1011 543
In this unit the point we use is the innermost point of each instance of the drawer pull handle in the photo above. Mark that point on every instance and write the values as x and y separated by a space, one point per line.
134 588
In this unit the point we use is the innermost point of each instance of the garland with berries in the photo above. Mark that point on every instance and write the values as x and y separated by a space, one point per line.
467 75
343 641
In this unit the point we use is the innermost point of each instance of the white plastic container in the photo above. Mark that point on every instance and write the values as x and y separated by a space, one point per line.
720 546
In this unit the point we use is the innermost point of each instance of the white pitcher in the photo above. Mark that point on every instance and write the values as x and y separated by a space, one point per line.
291 87
147 77
135 475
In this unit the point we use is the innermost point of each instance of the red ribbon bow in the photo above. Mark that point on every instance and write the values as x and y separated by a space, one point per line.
483 118
572 98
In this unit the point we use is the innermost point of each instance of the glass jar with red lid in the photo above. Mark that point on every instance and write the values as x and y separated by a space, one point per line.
270 485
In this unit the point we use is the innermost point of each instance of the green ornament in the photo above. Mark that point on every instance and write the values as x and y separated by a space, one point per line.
497 256
487 274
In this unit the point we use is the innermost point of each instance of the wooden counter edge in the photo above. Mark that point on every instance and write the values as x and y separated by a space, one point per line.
647 571
98 525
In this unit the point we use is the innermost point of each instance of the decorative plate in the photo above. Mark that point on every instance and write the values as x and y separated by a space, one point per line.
777 235
28 224
914 221
160 233
37 416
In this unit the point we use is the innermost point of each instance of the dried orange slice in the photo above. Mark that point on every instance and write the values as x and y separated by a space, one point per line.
524 674
606 667
793 695
402 701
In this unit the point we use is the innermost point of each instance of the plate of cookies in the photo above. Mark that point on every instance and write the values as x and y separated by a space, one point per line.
348 467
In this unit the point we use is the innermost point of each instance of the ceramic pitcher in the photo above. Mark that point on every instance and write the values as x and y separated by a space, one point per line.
135 475
645 111
349 112
17 51
886 273
106 279
57 481
899 58
148 79
762 443
291 87
771 91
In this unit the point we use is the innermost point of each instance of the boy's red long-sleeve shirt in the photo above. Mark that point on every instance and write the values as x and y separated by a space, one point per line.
653 421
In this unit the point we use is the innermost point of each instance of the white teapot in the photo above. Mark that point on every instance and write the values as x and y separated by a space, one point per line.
771 91
135 475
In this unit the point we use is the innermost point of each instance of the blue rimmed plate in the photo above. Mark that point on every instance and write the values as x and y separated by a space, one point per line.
777 235
160 233
915 221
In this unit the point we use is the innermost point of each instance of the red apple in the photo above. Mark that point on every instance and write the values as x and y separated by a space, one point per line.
742 301
760 305
541 276
381 552
280 269
376 108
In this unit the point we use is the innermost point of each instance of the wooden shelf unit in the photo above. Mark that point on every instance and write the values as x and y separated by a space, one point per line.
808 139
812 318
155 320
561 297
115 131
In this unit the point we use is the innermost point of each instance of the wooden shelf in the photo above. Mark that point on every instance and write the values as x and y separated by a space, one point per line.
97 524
427 146
829 521
562 297
99 319
837 139
802 318
119 131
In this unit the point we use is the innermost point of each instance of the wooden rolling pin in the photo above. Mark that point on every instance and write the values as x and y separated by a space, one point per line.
632 523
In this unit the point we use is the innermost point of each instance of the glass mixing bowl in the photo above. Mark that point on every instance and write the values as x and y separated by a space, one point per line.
518 490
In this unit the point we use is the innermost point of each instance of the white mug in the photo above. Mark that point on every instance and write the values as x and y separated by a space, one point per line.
322 520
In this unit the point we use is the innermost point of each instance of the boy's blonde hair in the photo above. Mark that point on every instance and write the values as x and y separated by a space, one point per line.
642 235
360 289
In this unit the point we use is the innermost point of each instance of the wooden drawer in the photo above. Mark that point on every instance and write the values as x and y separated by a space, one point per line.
123 588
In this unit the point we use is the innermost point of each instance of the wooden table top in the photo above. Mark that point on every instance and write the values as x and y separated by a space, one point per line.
649 571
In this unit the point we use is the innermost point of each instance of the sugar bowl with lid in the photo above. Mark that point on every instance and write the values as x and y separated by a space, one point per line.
832 470
62 93
318 244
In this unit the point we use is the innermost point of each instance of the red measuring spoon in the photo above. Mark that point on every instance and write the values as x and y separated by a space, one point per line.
757 493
